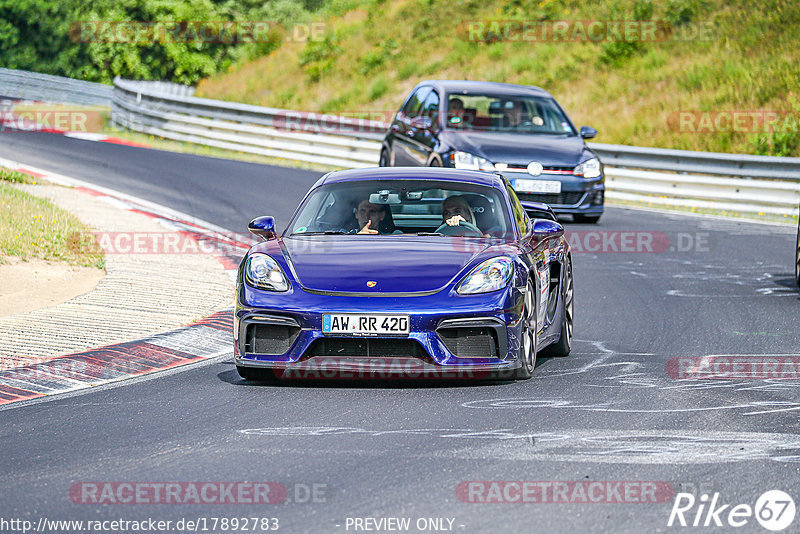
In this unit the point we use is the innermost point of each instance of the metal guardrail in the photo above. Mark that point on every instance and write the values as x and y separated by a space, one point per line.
25 85
242 127
731 182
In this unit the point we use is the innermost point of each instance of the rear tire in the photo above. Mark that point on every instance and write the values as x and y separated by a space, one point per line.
528 341
564 343
254 374
587 219
435 163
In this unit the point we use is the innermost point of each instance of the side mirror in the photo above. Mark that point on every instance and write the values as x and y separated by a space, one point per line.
547 228
422 123
587 132
263 227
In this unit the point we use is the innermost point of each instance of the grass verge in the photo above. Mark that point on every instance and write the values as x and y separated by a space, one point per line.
33 227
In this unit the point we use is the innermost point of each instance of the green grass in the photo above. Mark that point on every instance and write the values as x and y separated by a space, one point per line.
32 227
717 55
7 175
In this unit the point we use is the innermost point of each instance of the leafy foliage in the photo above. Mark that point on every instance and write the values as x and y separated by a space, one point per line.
85 40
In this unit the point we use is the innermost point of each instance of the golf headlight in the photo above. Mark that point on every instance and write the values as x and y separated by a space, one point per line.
490 275
262 272
588 169
465 160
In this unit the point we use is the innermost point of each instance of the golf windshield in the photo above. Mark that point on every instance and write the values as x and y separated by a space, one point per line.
403 207
517 114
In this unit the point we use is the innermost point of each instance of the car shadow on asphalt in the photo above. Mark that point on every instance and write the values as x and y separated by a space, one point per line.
788 281
232 377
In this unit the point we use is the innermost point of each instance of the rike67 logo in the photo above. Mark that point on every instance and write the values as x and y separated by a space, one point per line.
774 510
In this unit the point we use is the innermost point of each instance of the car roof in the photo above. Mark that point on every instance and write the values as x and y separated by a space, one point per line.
495 88
411 173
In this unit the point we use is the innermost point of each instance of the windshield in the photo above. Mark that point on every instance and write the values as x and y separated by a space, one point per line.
403 207
518 114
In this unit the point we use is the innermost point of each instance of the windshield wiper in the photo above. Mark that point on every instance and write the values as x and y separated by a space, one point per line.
326 232
430 233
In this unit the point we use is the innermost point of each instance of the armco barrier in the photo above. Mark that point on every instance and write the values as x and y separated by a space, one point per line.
241 127
730 182
23 85
758 184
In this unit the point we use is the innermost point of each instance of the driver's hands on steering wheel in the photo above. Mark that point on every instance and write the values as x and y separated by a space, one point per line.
455 220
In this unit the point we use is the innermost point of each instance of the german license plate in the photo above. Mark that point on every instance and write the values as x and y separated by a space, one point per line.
365 324
537 186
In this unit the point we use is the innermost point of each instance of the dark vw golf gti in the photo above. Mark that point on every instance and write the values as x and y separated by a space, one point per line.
520 131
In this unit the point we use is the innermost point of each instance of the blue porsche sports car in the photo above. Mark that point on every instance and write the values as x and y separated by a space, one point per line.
441 268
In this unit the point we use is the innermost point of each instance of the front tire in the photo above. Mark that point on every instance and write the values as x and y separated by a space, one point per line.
528 341
587 219
383 161
564 344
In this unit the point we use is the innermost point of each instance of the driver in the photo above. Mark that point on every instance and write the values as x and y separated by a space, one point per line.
513 115
455 208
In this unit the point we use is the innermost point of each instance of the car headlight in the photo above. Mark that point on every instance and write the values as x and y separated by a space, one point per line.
590 168
262 272
490 275
465 160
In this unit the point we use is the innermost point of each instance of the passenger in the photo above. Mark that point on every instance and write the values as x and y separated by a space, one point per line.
455 112
375 219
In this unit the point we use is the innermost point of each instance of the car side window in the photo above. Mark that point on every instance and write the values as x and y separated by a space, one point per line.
523 221
431 108
414 103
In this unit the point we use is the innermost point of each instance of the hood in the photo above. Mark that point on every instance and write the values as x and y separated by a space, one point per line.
396 264
521 149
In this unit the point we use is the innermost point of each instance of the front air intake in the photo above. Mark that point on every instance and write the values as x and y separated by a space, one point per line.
470 342
270 339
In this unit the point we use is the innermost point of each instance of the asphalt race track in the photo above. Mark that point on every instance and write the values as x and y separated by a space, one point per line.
613 410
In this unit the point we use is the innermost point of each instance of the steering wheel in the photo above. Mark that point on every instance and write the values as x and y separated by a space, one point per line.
464 229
